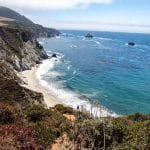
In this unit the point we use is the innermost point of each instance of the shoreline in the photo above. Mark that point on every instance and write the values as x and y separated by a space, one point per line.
33 83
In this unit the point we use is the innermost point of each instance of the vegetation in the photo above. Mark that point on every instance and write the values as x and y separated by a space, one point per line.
112 133
37 127
36 113
12 92
65 110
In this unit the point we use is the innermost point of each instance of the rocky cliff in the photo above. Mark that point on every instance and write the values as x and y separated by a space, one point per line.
19 48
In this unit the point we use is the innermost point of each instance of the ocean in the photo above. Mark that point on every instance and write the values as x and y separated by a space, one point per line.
102 75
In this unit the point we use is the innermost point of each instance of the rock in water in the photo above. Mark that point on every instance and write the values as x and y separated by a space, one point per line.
89 35
131 44
54 55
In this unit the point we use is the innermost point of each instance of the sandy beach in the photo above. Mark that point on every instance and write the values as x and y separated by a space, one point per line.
32 83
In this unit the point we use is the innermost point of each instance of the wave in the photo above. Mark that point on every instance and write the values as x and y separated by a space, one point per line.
65 95
57 37
68 67
109 39
74 72
73 46
142 46
106 39
53 74
67 35
91 94
96 37
97 42
41 41
81 36
85 39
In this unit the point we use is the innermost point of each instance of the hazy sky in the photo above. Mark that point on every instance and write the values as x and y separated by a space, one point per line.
107 15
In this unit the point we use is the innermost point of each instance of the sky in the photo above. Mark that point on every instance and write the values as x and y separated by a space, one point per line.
96 15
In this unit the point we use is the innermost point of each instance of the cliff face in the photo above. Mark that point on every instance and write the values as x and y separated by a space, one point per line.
19 48
19 51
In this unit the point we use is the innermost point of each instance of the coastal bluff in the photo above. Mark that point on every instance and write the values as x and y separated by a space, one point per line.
20 49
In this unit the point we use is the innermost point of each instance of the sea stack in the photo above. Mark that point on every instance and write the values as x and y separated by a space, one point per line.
54 55
89 36
131 44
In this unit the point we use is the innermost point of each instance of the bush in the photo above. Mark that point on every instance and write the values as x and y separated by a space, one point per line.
139 117
36 113
65 110
50 128
45 135
16 137
96 134
12 92
6 114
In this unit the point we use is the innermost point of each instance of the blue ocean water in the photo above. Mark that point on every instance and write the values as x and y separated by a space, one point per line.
103 69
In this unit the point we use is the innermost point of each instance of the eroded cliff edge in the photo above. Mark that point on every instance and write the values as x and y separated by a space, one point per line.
20 49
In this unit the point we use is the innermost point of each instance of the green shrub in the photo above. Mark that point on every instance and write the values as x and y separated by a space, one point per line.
96 134
7 114
65 110
137 136
139 117
36 113
45 135
12 92
50 128
136 130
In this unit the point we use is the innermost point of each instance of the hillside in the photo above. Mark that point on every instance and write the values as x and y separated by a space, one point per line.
8 13
23 22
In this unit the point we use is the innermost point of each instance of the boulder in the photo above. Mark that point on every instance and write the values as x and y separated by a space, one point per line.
54 55
131 44
89 35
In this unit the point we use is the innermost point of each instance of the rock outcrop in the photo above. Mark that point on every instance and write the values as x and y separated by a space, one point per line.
54 55
89 36
20 49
